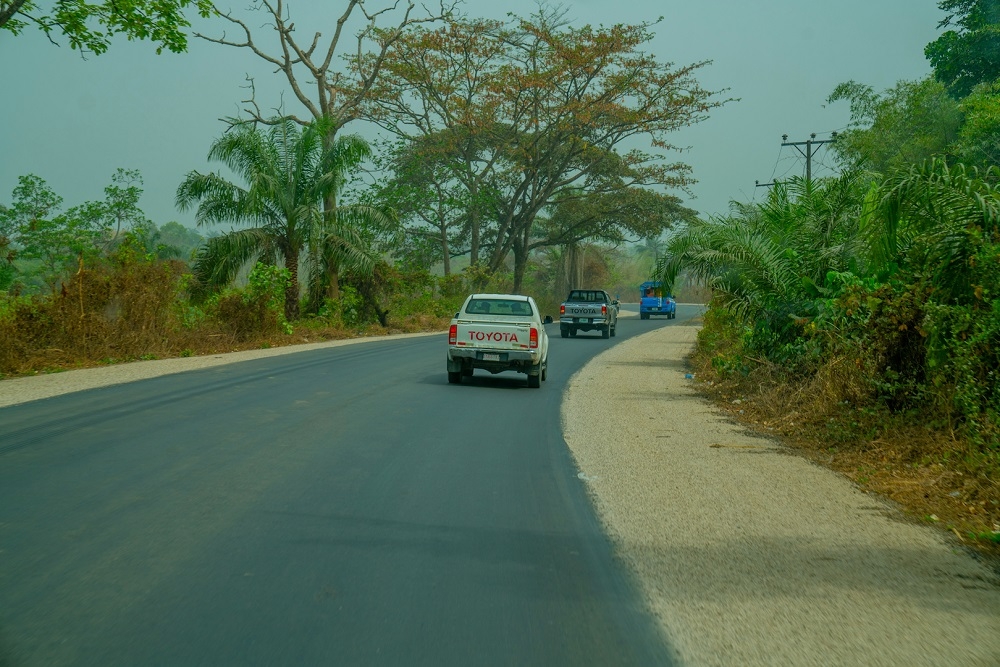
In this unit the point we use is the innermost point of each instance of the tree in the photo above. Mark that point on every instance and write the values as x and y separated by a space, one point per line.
770 260
328 95
544 113
289 172
436 94
970 55
931 219
176 235
905 125
431 204
46 241
89 27
978 142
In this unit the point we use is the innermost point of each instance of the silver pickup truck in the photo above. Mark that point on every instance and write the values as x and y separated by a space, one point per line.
498 332
588 310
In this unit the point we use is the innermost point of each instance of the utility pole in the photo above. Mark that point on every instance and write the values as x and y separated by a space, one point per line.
809 151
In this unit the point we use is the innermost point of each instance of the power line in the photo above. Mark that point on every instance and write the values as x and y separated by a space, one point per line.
812 145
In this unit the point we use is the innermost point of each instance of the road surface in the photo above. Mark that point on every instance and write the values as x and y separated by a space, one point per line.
338 506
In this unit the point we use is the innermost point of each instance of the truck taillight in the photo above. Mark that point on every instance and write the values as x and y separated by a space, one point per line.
604 310
453 334
533 338
562 309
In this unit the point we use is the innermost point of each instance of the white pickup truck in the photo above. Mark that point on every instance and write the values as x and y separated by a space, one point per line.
498 332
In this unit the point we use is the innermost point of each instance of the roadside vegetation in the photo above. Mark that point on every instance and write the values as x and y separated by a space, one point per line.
517 179
858 316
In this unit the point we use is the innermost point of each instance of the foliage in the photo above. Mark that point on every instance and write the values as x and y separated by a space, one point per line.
118 307
540 119
969 55
978 142
770 262
256 309
43 243
289 173
185 240
89 26
911 122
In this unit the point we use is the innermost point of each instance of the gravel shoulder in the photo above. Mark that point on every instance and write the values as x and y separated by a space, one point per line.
750 555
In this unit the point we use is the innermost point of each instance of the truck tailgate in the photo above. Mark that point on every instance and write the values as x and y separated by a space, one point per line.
583 309
494 335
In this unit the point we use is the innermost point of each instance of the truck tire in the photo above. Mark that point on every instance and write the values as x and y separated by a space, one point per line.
606 332
454 377
572 332
614 330
545 370
643 316
534 381
564 333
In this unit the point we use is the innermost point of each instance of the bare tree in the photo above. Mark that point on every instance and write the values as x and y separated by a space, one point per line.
314 71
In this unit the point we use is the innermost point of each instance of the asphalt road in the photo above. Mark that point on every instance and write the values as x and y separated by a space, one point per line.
343 506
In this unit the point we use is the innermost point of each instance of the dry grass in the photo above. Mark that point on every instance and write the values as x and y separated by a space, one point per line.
136 310
932 475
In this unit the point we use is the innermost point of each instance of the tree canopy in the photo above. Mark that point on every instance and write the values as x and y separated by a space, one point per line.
89 26
539 114
969 54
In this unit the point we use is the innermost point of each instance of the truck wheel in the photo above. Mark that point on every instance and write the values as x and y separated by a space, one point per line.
564 333
454 377
572 332
643 316
534 381
545 371
614 330
606 332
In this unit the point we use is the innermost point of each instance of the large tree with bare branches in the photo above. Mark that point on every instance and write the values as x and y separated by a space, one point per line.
314 65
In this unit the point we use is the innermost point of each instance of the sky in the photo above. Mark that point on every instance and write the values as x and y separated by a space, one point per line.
74 121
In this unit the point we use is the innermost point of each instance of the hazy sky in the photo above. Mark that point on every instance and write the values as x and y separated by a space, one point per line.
74 121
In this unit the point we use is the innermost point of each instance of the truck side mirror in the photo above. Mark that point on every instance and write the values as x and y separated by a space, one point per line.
547 320
456 315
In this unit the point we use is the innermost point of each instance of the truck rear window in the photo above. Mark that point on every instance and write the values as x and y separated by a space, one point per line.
586 296
498 307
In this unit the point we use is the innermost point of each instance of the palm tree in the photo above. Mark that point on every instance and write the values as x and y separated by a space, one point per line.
932 218
288 173
772 259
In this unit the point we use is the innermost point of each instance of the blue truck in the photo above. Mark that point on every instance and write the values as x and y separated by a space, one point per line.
652 301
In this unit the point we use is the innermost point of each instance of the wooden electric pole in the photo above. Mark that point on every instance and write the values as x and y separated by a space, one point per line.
812 145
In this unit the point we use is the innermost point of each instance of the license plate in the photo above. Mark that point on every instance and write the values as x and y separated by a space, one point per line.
583 320
490 357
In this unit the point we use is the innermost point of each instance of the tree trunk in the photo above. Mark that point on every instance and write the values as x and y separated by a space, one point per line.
474 224
292 289
521 251
445 250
